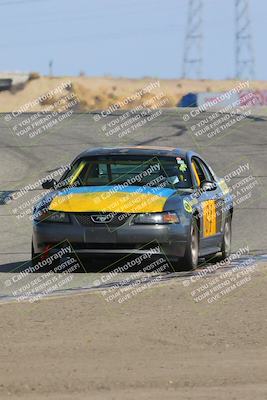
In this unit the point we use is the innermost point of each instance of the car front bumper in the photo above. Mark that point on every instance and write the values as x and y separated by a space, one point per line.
168 239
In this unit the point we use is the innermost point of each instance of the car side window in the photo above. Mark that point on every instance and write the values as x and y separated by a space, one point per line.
206 171
198 171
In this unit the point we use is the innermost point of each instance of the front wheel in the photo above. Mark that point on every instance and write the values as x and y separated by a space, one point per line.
190 259
227 238
192 247
35 258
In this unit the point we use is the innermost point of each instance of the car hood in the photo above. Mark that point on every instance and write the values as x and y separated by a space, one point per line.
130 199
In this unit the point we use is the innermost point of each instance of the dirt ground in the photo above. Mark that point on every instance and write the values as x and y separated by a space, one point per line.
161 344
102 92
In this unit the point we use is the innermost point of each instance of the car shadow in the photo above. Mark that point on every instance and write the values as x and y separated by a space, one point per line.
18 266
97 265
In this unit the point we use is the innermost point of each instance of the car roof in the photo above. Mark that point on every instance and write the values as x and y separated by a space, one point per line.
134 151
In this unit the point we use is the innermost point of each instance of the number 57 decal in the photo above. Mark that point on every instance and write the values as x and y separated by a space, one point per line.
209 218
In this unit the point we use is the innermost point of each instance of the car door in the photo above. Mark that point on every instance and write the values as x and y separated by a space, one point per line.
211 206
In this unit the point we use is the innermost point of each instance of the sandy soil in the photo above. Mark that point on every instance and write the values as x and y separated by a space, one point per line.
159 345
101 92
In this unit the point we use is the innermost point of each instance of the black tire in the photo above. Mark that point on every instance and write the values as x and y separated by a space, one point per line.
227 238
190 260
35 257
211 257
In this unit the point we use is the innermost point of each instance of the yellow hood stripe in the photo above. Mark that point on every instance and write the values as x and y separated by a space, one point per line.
106 202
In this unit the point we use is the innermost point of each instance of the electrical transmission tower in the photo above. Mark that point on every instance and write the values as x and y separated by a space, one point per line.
192 62
244 56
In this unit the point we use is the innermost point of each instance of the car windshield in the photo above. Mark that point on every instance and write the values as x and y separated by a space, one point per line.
169 172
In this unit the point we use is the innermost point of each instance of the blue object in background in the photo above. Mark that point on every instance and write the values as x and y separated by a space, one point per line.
188 100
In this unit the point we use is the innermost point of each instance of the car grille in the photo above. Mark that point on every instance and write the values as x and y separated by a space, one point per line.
102 219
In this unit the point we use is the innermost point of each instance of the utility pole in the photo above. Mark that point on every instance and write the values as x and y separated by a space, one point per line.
192 61
244 56
51 68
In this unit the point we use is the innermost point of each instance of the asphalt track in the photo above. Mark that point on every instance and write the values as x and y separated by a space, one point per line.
25 160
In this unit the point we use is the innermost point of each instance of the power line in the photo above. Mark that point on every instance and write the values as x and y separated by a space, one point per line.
9 3
153 30
126 9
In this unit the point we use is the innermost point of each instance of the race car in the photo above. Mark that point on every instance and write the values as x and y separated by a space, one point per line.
118 201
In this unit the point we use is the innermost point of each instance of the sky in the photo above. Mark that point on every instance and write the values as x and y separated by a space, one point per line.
122 38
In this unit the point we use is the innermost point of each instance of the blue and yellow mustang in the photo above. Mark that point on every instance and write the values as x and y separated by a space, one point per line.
117 201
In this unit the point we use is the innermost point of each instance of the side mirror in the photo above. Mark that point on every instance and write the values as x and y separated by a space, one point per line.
49 184
208 186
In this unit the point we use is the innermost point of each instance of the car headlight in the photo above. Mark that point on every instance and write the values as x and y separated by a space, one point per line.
51 216
157 218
